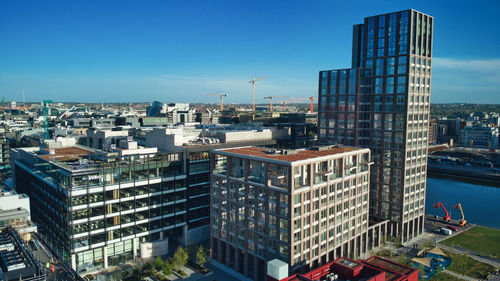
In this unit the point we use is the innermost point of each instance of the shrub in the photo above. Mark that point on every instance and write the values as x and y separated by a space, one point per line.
167 267
201 256
180 258
158 263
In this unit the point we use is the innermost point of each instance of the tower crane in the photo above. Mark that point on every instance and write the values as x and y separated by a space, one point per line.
271 98
447 217
311 102
222 96
290 101
253 90
463 221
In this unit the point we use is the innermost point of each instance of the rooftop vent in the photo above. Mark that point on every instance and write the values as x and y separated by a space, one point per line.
320 148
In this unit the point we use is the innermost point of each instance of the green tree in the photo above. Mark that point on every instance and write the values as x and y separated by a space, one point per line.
167 268
137 273
158 263
421 272
124 274
402 259
147 267
201 256
180 258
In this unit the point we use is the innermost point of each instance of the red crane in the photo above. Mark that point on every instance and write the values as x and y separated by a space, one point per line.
447 217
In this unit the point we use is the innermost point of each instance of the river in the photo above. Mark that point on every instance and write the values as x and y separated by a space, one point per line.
481 203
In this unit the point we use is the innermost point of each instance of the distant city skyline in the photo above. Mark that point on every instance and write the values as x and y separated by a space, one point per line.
124 51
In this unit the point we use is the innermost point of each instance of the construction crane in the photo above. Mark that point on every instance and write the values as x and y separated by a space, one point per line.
271 98
253 90
222 96
46 134
463 221
289 101
447 217
66 112
311 102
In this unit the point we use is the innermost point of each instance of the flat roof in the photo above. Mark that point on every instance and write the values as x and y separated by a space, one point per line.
295 155
65 153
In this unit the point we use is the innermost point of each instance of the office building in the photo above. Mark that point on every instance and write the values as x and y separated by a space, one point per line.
382 103
305 207
175 112
480 136
95 208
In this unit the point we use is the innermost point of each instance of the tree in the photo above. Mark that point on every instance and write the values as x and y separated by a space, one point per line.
124 274
147 267
421 272
158 263
180 258
201 256
167 268
402 259
137 273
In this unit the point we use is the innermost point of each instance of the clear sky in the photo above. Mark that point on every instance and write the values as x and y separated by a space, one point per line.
120 51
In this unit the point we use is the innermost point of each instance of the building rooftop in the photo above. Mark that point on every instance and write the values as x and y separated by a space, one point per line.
289 155
64 153
373 268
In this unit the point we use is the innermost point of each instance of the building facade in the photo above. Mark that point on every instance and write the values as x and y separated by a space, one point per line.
95 208
382 103
480 136
305 207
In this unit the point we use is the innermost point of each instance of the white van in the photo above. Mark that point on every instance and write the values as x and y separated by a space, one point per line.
446 231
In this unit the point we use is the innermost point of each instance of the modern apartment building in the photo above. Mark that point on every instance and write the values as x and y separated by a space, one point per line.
305 207
382 103
95 208
196 145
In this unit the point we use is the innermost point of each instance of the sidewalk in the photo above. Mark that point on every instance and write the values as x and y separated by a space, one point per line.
459 276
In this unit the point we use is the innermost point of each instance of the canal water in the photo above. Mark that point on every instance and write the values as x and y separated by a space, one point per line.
481 203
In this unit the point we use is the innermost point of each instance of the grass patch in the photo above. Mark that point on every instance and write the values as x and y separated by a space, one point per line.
478 239
465 265
443 276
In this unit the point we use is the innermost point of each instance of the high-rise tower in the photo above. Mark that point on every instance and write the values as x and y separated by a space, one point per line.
382 103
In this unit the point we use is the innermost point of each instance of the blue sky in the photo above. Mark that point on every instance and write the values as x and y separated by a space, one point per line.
120 51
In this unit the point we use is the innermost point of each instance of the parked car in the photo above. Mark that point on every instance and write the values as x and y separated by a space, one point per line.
452 227
446 231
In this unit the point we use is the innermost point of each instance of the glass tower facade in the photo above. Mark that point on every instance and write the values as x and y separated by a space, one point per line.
383 103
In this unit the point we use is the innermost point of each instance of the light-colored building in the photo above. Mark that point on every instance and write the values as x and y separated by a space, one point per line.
480 136
305 207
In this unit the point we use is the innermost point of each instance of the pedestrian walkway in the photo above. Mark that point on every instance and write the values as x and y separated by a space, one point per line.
486 260
459 276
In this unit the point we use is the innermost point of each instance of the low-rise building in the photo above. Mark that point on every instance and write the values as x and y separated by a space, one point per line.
372 269
17 262
480 136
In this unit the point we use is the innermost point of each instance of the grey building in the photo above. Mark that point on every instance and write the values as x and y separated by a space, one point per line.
96 208
382 103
